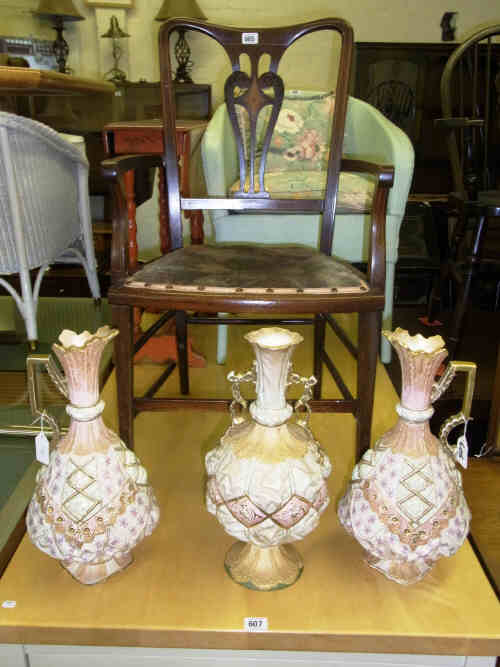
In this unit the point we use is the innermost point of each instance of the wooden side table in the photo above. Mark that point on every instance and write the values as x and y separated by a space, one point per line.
146 136
142 99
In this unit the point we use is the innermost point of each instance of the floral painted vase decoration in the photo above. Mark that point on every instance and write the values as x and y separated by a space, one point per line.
405 504
92 503
267 477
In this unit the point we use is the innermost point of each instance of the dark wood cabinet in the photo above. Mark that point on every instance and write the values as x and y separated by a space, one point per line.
414 70
403 80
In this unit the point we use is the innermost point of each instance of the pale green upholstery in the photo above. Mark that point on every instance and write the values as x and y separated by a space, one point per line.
368 136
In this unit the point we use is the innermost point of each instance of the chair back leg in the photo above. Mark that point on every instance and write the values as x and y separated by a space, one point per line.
319 344
222 340
182 350
124 356
370 324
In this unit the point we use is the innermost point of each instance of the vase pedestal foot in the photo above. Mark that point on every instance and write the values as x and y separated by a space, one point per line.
400 571
87 573
263 569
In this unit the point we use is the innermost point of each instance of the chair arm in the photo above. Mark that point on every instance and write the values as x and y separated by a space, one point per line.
372 137
115 167
41 132
384 173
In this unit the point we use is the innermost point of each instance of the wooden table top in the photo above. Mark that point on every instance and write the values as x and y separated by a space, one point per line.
27 81
177 594
155 124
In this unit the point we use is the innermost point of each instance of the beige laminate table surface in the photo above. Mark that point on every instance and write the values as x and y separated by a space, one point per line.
27 81
177 594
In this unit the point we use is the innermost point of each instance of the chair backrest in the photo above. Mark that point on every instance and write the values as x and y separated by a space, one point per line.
258 97
470 100
39 195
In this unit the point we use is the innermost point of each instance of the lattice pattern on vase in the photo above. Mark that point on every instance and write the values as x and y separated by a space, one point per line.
405 504
92 504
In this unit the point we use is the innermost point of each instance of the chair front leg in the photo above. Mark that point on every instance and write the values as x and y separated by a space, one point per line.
124 362
319 345
182 350
368 342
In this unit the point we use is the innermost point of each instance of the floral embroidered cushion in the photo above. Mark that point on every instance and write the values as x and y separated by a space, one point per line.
301 137
355 190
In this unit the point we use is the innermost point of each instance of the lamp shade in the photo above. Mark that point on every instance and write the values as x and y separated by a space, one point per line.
63 8
185 8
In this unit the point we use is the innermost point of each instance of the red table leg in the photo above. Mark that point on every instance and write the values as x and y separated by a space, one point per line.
128 179
163 204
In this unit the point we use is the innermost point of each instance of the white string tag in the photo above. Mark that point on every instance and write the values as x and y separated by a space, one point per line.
42 446
9 604
462 448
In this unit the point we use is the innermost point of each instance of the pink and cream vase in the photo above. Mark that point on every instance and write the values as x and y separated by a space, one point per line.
405 504
92 503
267 477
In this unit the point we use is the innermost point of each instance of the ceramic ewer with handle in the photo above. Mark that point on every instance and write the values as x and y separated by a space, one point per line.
405 504
92 503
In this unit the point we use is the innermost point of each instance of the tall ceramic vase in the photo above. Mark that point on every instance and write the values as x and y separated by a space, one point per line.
92 503
267 478
405 504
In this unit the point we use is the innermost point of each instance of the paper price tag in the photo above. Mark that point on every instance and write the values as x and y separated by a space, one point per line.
256 624
249 37
9 604
42 448
462 451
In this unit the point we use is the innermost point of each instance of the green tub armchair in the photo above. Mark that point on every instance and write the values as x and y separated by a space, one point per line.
368 136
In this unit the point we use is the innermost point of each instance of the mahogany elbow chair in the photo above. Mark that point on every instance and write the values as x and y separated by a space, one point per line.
257 279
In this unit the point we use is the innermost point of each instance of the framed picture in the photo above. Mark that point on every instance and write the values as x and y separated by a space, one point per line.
126 4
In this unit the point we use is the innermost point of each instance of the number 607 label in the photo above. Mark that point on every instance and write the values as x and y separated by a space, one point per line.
256 624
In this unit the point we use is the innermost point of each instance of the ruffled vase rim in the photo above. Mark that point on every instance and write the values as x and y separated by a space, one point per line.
70 340
416 344
273 338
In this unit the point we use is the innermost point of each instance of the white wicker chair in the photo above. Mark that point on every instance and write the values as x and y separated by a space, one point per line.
44 210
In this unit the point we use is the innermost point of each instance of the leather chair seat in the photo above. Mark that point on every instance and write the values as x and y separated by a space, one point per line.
224 269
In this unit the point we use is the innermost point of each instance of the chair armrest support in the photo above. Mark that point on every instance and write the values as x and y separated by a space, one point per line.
377 249
120 164
114 169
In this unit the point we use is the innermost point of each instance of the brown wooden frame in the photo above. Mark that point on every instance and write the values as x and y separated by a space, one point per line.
368 304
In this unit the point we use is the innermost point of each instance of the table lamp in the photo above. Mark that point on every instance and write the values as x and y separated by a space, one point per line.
188 9
115 74
59 11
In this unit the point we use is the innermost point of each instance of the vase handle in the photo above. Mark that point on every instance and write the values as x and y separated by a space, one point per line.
302 407
238 405
33 362
463 416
